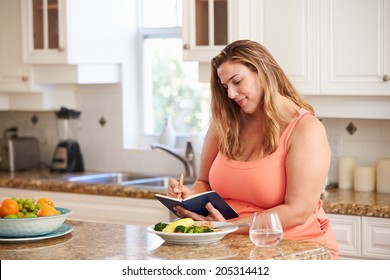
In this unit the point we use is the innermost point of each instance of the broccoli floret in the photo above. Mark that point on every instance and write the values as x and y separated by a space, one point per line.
208 229
194 229
160 226
180 228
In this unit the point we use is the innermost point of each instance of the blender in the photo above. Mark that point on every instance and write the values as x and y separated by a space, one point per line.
67 155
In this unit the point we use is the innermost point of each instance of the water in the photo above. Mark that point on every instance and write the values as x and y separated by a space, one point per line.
266 238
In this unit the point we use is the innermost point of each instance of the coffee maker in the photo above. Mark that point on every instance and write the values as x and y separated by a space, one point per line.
67 155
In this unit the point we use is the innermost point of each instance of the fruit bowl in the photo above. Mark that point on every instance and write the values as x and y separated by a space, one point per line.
26 227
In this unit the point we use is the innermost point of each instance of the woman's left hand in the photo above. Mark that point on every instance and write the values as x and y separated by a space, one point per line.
214 215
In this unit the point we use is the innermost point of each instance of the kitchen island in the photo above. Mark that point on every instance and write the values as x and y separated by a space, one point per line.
360 219
101 241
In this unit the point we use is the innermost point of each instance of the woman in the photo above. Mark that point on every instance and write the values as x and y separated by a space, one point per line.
265 151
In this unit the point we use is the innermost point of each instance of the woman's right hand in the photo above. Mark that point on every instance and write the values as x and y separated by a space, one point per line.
176 190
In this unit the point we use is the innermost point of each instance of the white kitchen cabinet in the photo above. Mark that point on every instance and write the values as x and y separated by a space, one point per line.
326 48
376 238
331 47
82 42
356 47
361 237
209 25
347 230
289 30
14 75
74 41
73 31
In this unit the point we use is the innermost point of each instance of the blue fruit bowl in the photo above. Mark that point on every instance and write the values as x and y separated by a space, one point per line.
28 227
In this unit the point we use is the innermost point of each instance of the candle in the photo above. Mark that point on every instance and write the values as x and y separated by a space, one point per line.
383 175
345 172
364 179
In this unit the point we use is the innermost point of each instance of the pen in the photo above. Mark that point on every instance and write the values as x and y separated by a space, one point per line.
181 182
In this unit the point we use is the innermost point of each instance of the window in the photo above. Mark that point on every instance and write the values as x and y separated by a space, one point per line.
170 86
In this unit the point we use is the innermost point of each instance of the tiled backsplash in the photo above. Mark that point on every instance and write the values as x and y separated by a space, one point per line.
102 146
367 144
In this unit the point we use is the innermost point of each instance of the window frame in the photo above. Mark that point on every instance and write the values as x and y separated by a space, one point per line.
148 33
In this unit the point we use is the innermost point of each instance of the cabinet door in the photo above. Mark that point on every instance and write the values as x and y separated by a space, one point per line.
209 25
348 234
74 31
289 30
356 47
14 76
44 31
376 238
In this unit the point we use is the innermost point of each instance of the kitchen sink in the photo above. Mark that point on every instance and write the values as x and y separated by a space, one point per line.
126 179
105 178
154 181
162 182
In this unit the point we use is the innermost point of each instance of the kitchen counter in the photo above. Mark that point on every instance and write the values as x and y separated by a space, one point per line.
335 201
127 242
349 202
43 180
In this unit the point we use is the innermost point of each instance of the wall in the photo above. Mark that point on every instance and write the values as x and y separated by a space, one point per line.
368 143
101 145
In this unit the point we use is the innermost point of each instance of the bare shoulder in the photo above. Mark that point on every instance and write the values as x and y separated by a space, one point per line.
308 129
309 122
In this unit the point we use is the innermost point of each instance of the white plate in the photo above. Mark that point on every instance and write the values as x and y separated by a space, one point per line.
62 230
195 238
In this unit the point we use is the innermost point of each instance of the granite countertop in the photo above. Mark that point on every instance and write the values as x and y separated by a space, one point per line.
335 201
128 242
43 180
349 202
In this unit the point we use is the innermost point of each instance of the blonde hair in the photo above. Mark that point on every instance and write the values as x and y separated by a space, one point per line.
227 115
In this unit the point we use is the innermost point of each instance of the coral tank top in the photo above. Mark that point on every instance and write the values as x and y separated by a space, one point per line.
254 186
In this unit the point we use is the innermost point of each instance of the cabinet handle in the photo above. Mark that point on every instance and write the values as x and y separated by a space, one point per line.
24 78
386 78
186 46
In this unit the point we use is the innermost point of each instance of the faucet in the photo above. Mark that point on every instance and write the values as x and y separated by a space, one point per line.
188 161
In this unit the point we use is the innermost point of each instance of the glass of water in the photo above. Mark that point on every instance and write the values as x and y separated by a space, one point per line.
265 229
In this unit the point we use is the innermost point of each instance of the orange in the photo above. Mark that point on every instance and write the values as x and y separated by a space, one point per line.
9 206
47 210
45 200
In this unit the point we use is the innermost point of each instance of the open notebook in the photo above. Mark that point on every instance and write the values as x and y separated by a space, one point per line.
197 202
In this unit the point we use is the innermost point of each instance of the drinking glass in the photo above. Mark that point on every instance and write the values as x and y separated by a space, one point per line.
265 229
